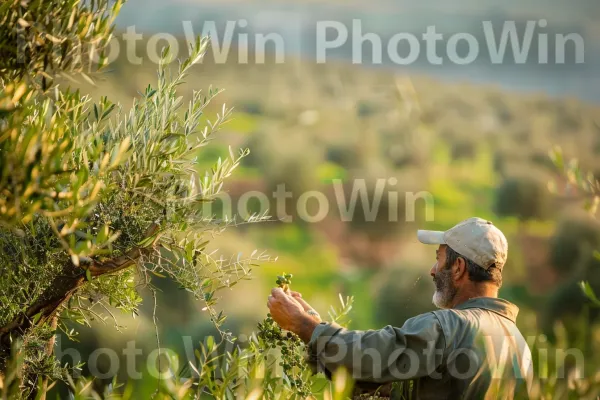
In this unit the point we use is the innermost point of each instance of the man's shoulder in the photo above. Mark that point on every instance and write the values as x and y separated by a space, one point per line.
428 321
427 326
455 323
448 314
437 317
429 317
453 319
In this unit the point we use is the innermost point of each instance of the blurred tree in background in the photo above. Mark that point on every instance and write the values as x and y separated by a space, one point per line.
574 254
571 247
400 297
571 254
524 197
384 214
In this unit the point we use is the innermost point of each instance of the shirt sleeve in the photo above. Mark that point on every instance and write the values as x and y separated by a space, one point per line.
379 356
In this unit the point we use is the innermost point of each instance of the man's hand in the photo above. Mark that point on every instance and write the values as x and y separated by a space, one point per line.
307 307
291 314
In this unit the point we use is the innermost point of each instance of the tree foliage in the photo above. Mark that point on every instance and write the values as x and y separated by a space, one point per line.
40 39
94 200
88 190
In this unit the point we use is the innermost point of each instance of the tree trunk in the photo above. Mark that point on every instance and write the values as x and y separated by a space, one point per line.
65 285
44 309
49 352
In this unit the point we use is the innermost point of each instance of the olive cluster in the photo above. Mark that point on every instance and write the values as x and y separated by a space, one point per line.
284 281
289 344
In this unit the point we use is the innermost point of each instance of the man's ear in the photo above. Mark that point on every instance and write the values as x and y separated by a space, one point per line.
460 269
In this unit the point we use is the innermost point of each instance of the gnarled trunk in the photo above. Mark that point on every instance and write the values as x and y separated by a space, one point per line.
44 310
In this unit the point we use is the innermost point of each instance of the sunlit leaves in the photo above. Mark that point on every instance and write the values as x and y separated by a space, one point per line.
589 292
341 314
589 186
53 161
39 39
82 182
577 179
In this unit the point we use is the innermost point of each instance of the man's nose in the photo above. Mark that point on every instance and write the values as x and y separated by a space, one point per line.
432 270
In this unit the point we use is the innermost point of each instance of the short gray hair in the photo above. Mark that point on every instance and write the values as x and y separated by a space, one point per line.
476 272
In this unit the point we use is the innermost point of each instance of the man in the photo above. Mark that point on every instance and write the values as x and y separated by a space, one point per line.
470 348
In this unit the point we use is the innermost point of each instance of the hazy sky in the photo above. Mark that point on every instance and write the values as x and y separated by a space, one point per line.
294 20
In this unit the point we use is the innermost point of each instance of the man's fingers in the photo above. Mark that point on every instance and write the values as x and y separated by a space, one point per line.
270 301
277 292
298 297
303 303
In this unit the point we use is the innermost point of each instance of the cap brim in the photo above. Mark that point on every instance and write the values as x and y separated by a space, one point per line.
431 237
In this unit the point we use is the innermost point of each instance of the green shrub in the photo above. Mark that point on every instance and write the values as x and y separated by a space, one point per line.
365 109
571 246
344 154
376 219
253 107
525 197
403 296
463 149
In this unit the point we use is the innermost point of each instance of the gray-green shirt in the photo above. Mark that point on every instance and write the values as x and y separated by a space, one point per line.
473 351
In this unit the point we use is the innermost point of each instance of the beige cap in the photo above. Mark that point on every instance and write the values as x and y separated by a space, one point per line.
475 238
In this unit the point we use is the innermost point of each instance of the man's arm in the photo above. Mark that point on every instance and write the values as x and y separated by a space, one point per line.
380 356
305 327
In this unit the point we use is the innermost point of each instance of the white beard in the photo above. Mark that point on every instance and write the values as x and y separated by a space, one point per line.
440 301
444 290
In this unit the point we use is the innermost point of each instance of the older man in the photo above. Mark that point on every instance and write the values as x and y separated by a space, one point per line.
470 348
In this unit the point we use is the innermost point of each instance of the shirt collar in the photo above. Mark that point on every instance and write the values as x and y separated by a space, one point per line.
494 304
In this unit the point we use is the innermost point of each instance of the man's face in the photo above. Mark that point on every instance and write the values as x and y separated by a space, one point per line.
445 289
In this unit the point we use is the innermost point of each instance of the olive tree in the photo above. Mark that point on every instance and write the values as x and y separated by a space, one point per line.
42 39
94 198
